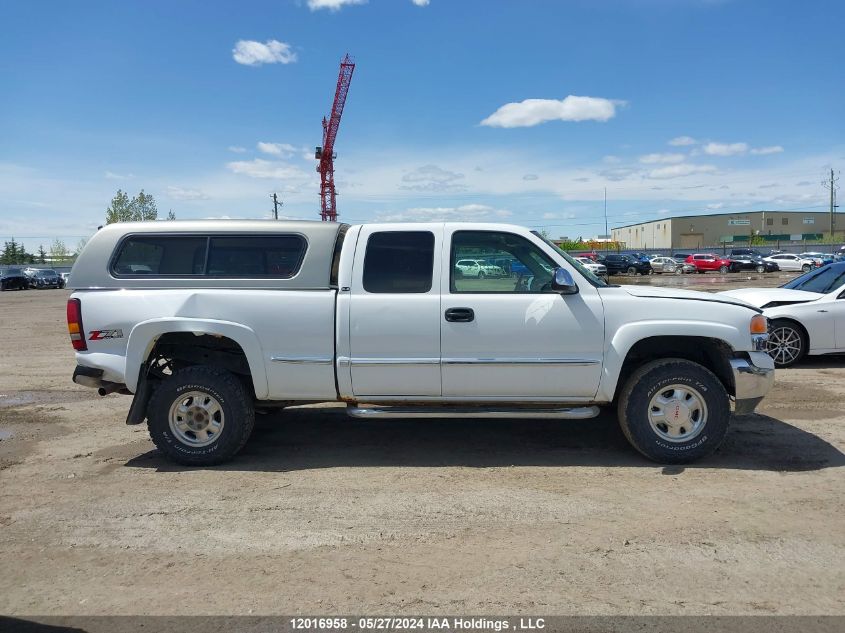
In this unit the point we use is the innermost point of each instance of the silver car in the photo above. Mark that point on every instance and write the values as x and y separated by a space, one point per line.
670 266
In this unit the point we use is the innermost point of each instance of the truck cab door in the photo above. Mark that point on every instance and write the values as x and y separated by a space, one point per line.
394 313
513 337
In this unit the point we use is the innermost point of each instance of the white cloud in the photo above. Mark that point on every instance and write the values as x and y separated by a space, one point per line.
771 149
677 171
611 159
651 159
558 216
618 173
535 111
681 141
260 168
725 149
715 205
332 5
285 150
236 149
421 3
113 176
252 53
179 193
432 178
464 213
531 177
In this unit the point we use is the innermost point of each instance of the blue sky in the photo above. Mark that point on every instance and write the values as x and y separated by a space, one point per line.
518 111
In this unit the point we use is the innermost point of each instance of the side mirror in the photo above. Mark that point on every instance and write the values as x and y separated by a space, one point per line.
563 282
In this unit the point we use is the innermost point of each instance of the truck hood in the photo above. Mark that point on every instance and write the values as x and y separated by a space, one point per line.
761 296
678 293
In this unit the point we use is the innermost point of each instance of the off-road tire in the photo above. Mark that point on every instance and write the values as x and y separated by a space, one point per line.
648 380
236 404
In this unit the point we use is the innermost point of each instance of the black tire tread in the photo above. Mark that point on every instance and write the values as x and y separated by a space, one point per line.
240 402
634 381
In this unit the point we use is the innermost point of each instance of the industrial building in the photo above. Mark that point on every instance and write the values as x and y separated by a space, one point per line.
717 229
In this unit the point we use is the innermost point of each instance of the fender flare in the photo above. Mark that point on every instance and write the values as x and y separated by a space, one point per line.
630 334
144 335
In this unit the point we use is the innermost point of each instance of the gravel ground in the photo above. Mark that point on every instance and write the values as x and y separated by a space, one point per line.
323 514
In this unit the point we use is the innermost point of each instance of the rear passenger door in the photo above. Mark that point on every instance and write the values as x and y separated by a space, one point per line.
394 318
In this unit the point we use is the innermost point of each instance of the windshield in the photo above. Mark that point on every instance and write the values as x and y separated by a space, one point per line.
589 276
822 281
46 273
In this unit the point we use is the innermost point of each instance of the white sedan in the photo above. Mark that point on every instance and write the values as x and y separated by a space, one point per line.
478 269
806 316
789 261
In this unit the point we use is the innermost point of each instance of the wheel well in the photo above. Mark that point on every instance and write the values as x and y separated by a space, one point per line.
714 354
176 350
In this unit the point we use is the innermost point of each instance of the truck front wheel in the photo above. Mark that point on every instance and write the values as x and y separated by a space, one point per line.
674 411
200 416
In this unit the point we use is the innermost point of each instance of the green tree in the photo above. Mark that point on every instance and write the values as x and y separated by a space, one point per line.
58 250
42 254
10 252
141 208
80 245
171 215
120 209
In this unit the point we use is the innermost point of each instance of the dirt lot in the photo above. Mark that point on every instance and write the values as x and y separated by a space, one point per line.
323 514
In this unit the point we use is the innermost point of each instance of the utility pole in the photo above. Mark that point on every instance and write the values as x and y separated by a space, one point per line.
606 234
276 205
831 184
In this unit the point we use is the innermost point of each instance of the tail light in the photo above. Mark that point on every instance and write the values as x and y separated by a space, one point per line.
74 325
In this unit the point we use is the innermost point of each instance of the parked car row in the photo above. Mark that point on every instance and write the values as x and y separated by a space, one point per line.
25 278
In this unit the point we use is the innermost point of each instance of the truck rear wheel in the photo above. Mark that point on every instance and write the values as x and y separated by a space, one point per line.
200 416
674 411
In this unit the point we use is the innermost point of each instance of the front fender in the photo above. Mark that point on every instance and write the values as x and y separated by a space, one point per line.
627 335
143 338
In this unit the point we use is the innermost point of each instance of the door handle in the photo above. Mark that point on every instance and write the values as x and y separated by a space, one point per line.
460 315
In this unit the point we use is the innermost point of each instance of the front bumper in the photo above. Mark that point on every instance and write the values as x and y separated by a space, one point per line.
753 378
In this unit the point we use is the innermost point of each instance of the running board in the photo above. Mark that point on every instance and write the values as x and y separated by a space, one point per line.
564 413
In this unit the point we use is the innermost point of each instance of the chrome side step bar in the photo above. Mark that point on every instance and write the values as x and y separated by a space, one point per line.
560 413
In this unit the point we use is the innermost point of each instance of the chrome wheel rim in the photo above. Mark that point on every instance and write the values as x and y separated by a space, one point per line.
784 345
196 418
677 413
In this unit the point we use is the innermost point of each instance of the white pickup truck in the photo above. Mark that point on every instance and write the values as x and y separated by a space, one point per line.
205 321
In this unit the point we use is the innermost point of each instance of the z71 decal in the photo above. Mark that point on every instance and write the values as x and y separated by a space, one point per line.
102 335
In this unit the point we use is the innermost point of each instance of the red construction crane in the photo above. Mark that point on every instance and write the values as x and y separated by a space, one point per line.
326 154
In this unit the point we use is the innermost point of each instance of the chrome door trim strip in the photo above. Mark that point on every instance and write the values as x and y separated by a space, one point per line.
575 362
303 360
375 362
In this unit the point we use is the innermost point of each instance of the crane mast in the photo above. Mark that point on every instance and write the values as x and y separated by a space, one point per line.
326 154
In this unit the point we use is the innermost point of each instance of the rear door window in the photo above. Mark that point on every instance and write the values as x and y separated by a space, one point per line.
399 262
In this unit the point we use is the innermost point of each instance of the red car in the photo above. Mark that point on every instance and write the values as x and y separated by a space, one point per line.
710 261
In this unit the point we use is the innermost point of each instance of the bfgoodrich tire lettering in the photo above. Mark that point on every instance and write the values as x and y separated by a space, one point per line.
224 389
670 376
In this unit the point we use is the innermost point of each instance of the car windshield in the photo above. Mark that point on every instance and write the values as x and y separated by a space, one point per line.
46 273
591 277
822 281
